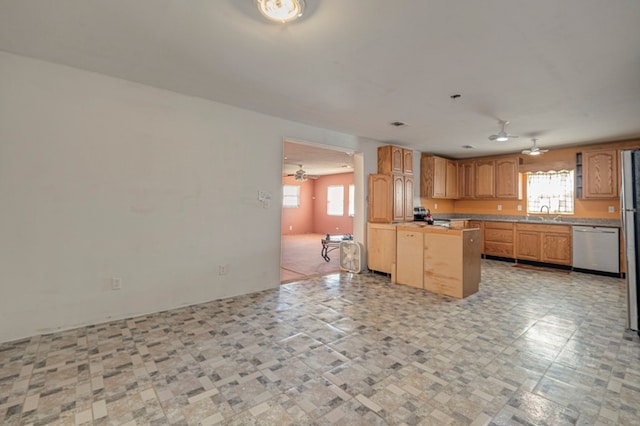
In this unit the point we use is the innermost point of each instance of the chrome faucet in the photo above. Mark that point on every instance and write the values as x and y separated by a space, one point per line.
541 208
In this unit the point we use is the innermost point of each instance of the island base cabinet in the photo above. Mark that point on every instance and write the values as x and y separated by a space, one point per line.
409 269
452 263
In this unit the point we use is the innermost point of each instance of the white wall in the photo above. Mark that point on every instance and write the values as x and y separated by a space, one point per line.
102 178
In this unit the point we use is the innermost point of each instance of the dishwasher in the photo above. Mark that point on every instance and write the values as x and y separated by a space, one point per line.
596 248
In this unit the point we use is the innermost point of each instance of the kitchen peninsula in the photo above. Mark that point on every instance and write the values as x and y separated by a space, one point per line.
438 259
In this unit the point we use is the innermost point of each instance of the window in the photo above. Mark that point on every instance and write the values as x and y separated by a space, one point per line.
335 200
291 196
352 199
552 190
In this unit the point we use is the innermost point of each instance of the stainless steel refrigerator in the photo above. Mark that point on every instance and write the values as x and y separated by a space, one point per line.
630 208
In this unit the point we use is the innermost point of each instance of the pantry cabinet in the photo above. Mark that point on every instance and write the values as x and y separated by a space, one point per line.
600 174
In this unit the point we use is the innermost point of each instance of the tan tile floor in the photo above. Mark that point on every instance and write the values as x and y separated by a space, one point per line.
531 347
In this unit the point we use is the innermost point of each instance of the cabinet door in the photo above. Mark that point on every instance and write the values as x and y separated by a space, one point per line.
439 177
528 245
408 198
478 224
507 178
381 247
398 198
600 174
380 201
451 180
390 159
407 161
485 179
466 179
556 248
409 258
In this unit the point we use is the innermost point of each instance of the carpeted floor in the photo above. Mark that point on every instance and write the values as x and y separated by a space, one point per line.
301 258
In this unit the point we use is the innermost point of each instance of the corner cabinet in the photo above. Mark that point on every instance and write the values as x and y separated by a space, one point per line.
600 174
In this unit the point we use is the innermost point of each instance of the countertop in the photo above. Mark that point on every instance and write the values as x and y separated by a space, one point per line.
540 219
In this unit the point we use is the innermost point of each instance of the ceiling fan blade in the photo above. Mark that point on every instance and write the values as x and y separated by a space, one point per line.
526 151
513 136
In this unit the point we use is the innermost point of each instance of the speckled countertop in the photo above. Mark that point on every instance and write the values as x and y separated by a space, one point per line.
562 220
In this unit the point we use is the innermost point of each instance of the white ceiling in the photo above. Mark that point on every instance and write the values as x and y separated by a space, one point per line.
567 72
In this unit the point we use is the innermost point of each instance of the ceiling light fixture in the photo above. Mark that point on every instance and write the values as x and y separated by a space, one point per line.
281 10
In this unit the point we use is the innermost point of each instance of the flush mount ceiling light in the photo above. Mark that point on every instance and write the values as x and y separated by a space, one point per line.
281 10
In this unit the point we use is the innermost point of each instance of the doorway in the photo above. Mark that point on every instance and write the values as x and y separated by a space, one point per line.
319 198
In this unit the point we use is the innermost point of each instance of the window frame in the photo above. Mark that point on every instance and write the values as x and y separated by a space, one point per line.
559 201
329 197
296 196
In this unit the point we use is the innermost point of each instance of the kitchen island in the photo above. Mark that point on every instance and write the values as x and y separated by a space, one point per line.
438 259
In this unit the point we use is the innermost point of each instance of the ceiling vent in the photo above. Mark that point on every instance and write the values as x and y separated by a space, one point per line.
398 124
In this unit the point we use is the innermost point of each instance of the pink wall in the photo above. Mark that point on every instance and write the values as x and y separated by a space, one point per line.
322 223
300 220
311 216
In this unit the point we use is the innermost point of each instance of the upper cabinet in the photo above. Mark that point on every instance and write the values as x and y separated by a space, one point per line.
508 183
498 178
485 183
466 179
395 160
600 174
391 190
439 177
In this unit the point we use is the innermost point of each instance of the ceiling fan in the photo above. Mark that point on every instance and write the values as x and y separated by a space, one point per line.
502 136
534 150
301 175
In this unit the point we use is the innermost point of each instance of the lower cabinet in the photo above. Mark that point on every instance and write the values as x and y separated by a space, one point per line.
381 247
452 262
499 238
409 254
544 243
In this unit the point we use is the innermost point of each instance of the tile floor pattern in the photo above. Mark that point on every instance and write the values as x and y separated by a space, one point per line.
532 347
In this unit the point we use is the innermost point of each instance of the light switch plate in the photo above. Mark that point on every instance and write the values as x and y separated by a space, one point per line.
612 209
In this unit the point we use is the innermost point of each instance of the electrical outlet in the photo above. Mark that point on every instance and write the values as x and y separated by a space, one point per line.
612 209
519 207
290 227
435 206
499 207
223 269
116 283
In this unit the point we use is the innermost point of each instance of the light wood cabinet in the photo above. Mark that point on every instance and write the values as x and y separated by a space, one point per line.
452 262
398 198
600 174
544 243
381 247
409 257
380 206
485 179
390 198
508 182
499 238
438 177
479 225
394 159
466 179
498 178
